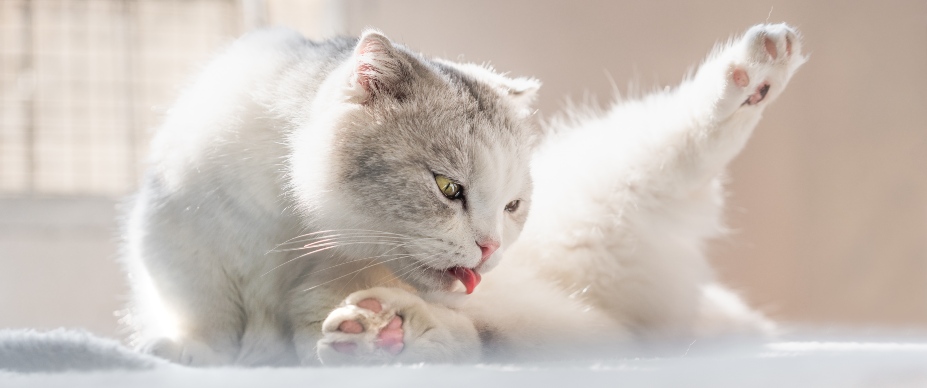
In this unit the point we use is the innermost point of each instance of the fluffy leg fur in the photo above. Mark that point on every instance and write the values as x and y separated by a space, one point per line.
624 202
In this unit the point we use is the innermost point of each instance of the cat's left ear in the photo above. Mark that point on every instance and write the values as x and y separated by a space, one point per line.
378 68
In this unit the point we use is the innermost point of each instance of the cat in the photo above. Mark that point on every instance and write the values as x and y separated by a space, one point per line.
293 173
339 203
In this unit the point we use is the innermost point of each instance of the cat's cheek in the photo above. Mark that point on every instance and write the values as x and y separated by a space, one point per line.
513 226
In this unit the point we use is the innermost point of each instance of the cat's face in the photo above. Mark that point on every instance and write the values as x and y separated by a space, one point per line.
430 169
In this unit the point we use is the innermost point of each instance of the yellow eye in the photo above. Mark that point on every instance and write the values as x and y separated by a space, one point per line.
449 188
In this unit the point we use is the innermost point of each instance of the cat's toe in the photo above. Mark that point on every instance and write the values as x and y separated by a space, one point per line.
371 304
773 43
350 327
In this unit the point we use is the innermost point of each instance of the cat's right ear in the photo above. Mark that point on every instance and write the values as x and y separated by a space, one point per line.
379 69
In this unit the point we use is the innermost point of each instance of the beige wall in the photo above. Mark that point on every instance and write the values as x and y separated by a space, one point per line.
82 83
58 264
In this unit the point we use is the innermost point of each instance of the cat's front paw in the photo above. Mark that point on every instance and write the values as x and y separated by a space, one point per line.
761 64
383 325
362 330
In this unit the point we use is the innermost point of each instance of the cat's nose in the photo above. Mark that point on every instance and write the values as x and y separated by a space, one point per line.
487 247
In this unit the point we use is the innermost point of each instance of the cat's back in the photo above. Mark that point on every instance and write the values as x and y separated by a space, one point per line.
229 127
215 176
213 201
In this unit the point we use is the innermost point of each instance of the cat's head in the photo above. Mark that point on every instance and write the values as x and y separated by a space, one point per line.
426 166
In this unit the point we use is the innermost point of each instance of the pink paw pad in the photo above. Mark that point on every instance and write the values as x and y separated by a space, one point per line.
370 304
773 52
390 338
759 95
771 48
740 77
351 327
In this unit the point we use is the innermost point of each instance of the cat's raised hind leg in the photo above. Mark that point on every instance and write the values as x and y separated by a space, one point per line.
643 188
751 73
722 104
385 325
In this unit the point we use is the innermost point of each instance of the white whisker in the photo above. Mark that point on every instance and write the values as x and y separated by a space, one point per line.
326 247
349 273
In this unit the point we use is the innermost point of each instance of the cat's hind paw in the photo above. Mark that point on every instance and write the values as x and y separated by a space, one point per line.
761 64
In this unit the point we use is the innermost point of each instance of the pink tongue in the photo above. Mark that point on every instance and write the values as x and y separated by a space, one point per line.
466 276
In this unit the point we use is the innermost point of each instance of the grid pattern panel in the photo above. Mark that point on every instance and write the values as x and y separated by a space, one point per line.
84 82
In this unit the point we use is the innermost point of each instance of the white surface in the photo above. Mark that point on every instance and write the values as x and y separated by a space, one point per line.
827 363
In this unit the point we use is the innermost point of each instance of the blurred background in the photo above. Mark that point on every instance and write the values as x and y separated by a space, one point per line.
828 202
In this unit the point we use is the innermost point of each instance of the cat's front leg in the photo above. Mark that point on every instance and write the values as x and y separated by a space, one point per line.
386 325
186 352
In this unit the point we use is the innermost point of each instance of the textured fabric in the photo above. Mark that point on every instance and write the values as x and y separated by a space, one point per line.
66 349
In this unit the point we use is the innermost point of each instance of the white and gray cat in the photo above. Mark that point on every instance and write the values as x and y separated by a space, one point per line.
340 202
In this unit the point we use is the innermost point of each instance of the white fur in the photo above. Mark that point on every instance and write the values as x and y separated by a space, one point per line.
612 251
624 202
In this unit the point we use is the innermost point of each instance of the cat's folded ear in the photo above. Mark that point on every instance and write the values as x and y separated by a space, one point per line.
523 91
379 69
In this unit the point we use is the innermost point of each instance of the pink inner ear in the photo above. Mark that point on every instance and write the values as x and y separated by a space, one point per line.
378 67
365 76
373 60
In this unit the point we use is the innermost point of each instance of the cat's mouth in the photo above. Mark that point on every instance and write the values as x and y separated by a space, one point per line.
432 279
467 276
437 279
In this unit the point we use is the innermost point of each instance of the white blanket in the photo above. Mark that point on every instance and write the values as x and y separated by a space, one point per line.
29 351
73 359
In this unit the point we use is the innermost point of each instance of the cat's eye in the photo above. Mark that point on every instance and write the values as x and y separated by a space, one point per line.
511 207
450 189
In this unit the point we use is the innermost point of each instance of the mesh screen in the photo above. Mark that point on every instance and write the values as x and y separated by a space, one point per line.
83 83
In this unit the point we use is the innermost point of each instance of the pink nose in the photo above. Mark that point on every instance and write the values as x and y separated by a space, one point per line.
487 247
